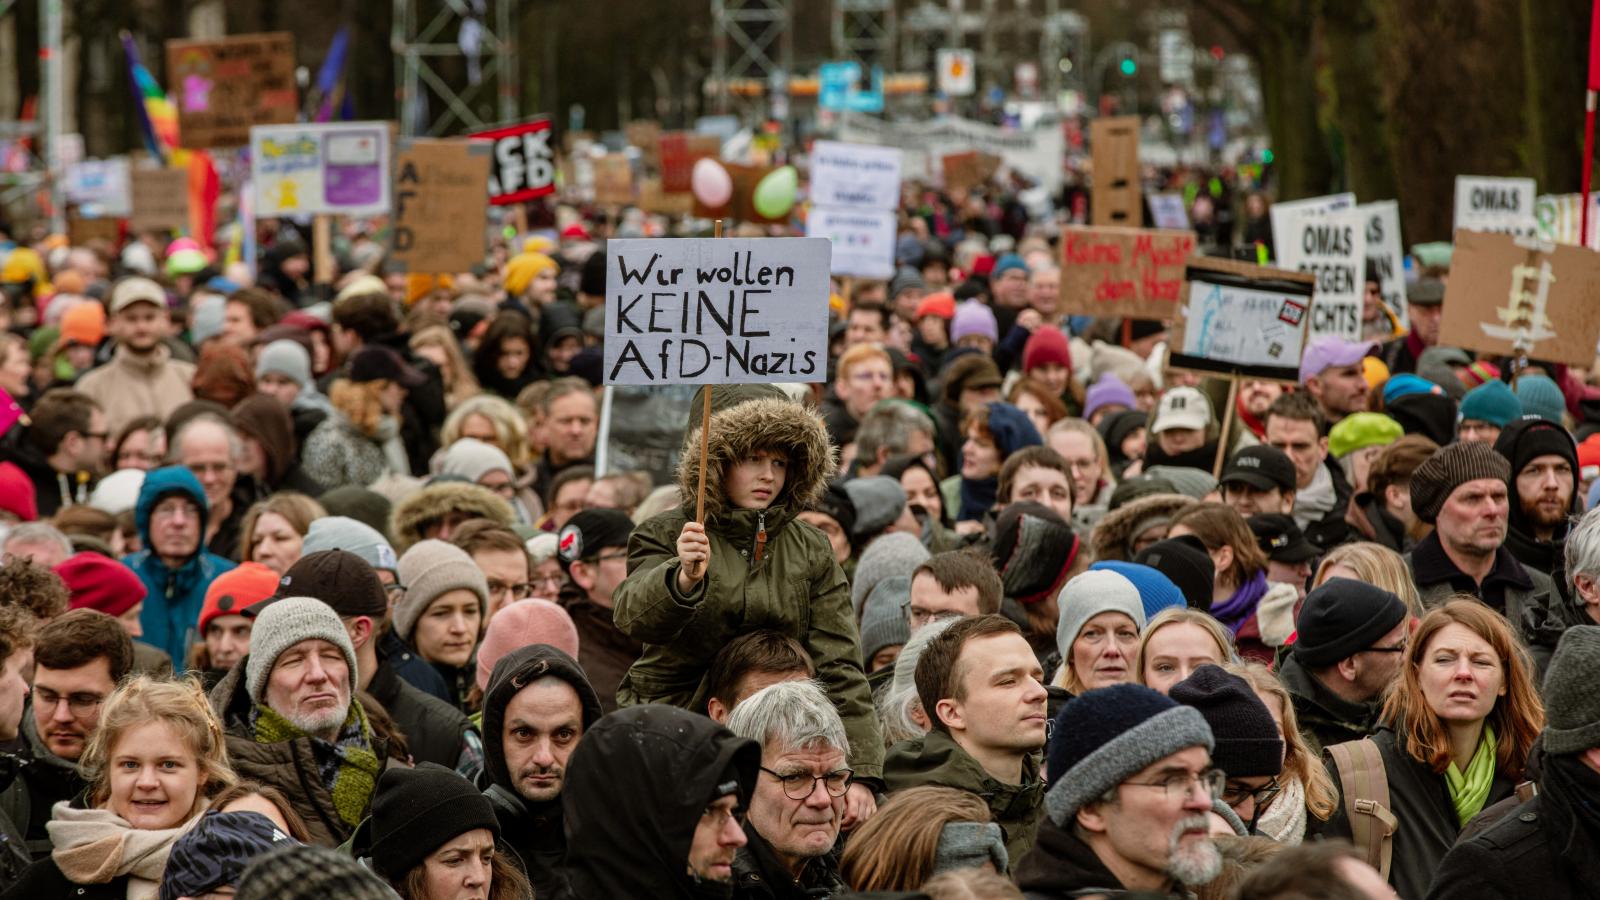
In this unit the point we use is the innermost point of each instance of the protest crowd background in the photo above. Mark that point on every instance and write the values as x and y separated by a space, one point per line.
961 507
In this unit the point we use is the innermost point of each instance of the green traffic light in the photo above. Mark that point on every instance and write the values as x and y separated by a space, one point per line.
1128 66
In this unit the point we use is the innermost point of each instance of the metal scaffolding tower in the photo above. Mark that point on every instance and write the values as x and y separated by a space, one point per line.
761 36
426 31
864 31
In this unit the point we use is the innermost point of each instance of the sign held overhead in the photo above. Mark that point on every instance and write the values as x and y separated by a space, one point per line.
524 162
223 87
437 205
1123 272
329 169
1509 295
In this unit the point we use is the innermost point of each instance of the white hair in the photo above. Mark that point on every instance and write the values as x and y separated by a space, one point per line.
1583 547
235 443
38 533
790 716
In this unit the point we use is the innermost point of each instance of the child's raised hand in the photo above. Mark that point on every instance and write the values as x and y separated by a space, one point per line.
694 555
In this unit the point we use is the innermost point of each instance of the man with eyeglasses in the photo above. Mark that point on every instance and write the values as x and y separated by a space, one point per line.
864 375
174 565
502 558
952 584
78 659
1247 746
1130 788
1351 645
63 449
593 549
210 448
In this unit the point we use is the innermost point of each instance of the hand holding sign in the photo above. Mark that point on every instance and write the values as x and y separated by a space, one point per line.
694 556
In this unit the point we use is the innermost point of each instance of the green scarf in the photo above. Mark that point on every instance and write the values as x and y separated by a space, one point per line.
1469 792
348 767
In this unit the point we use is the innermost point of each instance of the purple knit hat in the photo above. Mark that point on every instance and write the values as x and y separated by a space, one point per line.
1108 391
972 318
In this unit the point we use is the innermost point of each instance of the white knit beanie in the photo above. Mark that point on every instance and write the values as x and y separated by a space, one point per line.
287 358
429 570
283 624
1088 595
472 459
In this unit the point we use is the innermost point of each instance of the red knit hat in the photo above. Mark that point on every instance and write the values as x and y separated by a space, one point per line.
101 583
232 591
16 493
1047 345
942 305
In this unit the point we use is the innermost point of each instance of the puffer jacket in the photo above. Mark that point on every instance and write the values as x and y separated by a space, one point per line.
937 759
173 597
1113 537
768 570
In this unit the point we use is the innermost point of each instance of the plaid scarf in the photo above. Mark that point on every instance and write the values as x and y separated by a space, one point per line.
348 767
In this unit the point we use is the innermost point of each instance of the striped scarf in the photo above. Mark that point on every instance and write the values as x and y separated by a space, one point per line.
348 767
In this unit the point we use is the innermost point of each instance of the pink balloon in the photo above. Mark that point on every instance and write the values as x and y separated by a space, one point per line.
710 182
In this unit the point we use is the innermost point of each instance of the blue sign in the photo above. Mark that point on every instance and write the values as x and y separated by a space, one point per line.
839 88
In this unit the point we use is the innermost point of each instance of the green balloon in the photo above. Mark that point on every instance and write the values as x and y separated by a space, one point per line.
775 193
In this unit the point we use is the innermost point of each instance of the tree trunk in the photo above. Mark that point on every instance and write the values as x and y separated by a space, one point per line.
1302 164
1358 102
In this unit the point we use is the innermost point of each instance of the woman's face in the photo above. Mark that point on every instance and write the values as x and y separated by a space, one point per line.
1034 410
155 777
1461 675
980 458
1102 653
921 490
1082 458
1055 376
1174 441
449 628
480 428
562 352
462 868
252 459
142 450
14 371
321 353
275 543
281 388
1133 446
1174 652
513 358
542 289
934 331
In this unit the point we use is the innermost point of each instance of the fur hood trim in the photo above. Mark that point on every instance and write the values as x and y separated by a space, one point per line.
1110 537
435 500
756 424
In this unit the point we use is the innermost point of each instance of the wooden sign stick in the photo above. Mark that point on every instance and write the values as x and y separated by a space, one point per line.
705 428
1227 428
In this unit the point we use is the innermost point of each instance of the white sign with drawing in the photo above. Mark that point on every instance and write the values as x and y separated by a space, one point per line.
1244 326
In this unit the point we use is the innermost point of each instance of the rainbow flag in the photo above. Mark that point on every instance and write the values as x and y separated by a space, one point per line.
158 118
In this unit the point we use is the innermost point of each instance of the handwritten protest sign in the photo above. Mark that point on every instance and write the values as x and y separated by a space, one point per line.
1313 205
965 171
81 231
1503 205
1560 218
1242 319
709 311
613 179
1115 145
327 169
861 176
1331 245
223 87
100 187
1035 152
654 199
438 203
863 239
1132 272
1508 295
646 135
160 200
1385 253
1167 211
524 162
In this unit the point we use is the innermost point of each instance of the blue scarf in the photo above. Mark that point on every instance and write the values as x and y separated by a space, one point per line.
977 498
1237 610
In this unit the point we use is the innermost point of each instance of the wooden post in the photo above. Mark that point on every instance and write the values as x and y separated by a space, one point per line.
519 221
1227 427
705 427
323 268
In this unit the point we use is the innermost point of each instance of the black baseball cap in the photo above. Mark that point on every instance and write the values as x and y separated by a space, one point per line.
1261 466
590 531
376 363
338 578
1281 539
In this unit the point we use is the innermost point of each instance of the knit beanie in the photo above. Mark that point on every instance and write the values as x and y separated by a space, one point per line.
1188 481
1448 468
1156 591
836 504
942 305
17 494
525 622
414 811
98 582
472 459
1007 263
1430 415
1137 488
207 313
351 536
216 851
1047 345
970 845
429 570
878 501
236 590
1185 561
309 872
1361 430
1572 706
905 279
883 617
1033 550
1104 737
1089 594
1108 391
1541 397
522 269
286 623
84 323
1012 429
1246 738
1531 437
1341 618
973 318
286 358
893 554
1491 402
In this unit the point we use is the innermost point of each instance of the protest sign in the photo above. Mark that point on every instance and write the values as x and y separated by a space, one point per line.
1123 272
81 231
100 187
1331 245
642 429
1167 211
965 171
646 135
1508 295
160 200
860 176
1115 145
1385 253
1559 218
1243 320
224 86
862 239
1315 205
653 199
524 162
613 180
716 311
1035 152
438 205
321 169
1495 204
958 72
679 151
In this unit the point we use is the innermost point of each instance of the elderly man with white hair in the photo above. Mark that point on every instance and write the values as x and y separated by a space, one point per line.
798 802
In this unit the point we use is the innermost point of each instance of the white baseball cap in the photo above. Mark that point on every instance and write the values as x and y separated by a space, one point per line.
1182 407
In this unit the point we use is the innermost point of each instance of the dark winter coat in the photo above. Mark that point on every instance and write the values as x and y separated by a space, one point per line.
434 729
39 780
1521 594
1325 718
394 654
604 651
1062 866
44 881
937 759
758 874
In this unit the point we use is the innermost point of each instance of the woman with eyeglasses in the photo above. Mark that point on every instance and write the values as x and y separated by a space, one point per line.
141 444
1455 736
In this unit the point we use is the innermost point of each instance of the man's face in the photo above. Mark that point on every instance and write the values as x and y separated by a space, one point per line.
1544 489
1161 832
1341 390
1293 574
237 326
1050 487
1477 431
1002 706
1174 441
140 327
1425 323
507 573
717 837
279 387
205 450
865 327
310 686
1298 439
543 723
797 830
602 575
227 640
1250 500
1044 291
1379 666
570 428
175 527
837 539
14 691
1473 519
91 455
66 704
930 602
1257 396
1011 288
972 398
1371 301
868 381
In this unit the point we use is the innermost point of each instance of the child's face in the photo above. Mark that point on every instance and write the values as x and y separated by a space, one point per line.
755 481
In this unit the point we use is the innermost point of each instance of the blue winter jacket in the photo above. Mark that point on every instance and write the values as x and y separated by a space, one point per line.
174 596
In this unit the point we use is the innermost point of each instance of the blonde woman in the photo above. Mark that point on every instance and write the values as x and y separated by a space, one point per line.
438 344
1374 564
359 442
1305 788
1175 643
1081 445
1098 631
274 528
898 848
155 759
500 424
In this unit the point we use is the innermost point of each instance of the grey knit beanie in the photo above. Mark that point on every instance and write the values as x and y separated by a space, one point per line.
351 536
1572 708
968 845
430 569
1448 468
879 500
886 557
287 622
1088 595
286 358
883 619
472 459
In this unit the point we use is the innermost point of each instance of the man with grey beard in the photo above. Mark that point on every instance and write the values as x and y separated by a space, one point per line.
1130 786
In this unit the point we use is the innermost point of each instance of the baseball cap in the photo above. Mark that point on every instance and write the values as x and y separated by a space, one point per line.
1281 539
1425 292
338 578
136 289
590 531
1262 467
383 364
1328 351
1182 407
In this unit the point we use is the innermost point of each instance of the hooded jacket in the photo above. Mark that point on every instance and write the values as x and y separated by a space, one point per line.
1524 440
534 830
1113 537
173 597
937 759
39 780
1325 718
131 386
637 785
435 501
767 570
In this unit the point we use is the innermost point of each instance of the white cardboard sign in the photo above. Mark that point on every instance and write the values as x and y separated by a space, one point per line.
862 239
1331 245
1386 252
859 176
1504 205
310 169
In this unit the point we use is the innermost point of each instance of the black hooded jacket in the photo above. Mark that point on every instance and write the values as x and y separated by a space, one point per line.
1520 443
636 789
534 830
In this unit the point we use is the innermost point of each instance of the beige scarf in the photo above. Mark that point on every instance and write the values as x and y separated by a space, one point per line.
1285 820
94 846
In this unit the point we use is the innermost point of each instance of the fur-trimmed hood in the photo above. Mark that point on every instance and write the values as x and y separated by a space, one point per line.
436 500
742 428
1110 537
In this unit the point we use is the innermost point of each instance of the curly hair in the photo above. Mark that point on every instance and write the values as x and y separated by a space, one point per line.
36 588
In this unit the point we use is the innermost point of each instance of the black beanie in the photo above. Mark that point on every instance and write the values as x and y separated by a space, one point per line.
414 811
1531 437
592 279
589 531
1430 415
1184 560
836 504
1131 489
1341 618
1033 550
1247 741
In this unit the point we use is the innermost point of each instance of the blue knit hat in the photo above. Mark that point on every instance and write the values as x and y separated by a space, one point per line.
1104 737
1012 429
1005 264
1156 590
1541 397
1491 402
1405 383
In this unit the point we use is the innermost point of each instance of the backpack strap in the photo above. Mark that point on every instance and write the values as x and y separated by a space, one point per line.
1526 791
1366 800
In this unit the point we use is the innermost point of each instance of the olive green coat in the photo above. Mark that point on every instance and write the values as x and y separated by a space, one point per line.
936 759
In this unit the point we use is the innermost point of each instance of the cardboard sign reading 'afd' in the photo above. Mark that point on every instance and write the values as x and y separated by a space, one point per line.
716 311
1133 272
438 199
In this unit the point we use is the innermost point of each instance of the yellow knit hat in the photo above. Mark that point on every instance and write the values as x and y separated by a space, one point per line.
523 268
